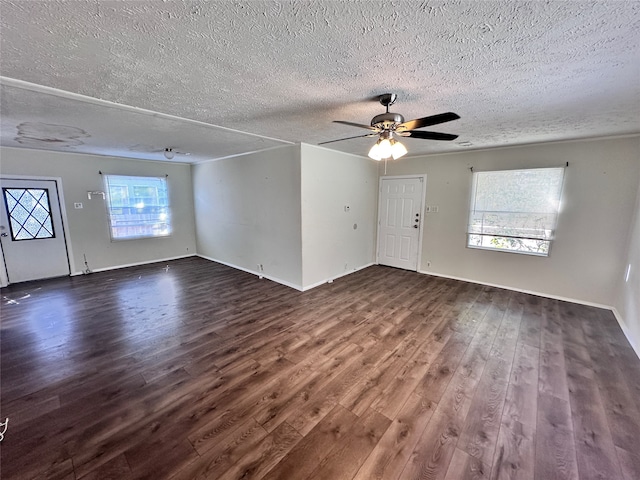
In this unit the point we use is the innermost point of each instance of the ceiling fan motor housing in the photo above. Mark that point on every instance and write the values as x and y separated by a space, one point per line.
387 120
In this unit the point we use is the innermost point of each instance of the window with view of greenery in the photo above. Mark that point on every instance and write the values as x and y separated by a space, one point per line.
138 207
515 210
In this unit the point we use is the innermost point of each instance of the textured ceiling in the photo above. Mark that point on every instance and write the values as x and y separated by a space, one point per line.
276 72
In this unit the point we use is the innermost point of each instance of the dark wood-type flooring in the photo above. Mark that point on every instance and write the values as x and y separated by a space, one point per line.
201 371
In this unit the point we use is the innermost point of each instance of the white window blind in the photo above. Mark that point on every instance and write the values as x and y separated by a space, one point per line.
515 210
138 207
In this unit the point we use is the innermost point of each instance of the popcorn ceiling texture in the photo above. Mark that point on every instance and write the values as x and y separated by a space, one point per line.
516 72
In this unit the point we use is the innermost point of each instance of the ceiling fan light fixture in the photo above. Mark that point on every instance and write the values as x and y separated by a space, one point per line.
387 147
397 149
374 153
384 147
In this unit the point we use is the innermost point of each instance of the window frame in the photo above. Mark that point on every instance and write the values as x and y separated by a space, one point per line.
549 233
163 203
10 217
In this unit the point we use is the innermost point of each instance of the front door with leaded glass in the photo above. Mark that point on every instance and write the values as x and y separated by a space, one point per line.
31 230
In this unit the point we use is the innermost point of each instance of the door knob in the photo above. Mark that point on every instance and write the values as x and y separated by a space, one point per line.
415 226
3 234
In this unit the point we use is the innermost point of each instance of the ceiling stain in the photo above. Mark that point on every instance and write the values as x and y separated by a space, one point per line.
38 134
238 76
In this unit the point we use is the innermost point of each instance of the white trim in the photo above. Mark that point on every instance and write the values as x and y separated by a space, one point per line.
528 144
136 264
100 155
4 280
625 331
530 292
209 160
257 274
361 157
423 177
331 279
12 82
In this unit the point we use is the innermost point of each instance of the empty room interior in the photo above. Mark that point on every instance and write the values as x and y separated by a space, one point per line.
335 239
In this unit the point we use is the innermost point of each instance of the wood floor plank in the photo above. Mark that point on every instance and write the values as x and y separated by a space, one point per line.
223 453
531 321
434 382
390 455
118 468
264 456
432 454
403 384
344 461
515 447
200 371
555 450
307 454
595 450
514 455
465 467
553 372
521 402
629 463
482 426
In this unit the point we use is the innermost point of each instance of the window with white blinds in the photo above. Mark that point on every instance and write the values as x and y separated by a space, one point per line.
515 210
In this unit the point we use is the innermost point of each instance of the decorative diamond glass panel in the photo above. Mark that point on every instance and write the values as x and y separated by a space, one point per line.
29 213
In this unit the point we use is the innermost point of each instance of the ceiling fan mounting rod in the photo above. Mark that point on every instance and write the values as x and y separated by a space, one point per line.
387 120
387 99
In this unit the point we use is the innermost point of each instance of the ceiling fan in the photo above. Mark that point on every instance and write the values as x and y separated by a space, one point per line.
168 152
387 126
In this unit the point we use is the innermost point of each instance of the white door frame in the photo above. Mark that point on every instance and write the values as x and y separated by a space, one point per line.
423 178
4 279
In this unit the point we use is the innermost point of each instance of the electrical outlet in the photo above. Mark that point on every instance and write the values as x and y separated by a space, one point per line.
77 205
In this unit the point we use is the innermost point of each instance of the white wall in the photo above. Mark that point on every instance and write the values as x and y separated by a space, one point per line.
247 212
89 227
587 256
331 246
628 294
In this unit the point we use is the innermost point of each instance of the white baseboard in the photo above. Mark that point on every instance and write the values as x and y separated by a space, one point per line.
284 282
530 292
117 267
331 279
254 272
625 330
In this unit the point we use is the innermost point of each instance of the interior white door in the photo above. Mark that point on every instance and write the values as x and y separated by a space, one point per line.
400 211
31 231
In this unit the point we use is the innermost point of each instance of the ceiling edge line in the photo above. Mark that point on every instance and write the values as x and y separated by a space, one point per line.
34 87
71 152
528 144
241 154
337 151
